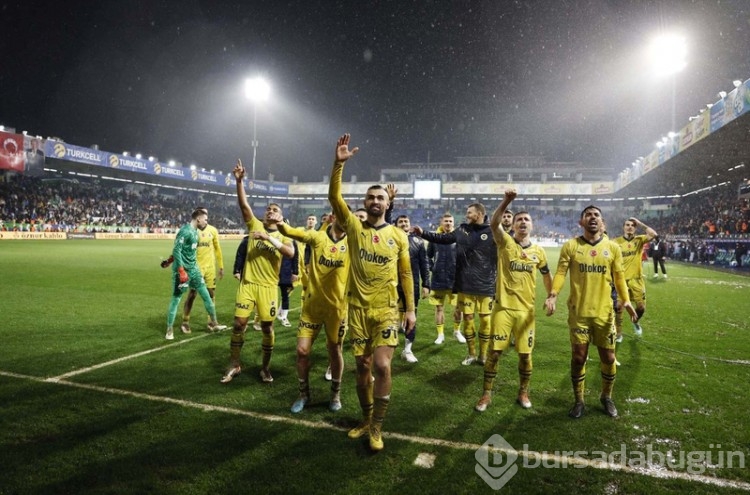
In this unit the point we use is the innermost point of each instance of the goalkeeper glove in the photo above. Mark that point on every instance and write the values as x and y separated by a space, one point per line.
183 275
165 263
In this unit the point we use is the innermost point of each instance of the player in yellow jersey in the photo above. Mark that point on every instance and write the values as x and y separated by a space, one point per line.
304 256
209 258
594 262
379 257
258 288
324 305
518 261
631 246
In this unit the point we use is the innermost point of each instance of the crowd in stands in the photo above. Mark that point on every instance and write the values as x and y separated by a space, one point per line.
697 227
32 204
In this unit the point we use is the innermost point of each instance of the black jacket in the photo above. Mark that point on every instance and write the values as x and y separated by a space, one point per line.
239 256
442 264
476 257
289 267
658 249
419 266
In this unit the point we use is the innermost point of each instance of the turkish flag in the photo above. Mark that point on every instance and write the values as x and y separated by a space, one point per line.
11 152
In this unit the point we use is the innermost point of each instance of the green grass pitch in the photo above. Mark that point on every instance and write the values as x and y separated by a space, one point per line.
94 400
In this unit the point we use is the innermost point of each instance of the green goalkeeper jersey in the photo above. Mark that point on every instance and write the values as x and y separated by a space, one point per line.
185 245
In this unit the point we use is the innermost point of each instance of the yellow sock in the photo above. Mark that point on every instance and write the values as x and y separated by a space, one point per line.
609 371
578 378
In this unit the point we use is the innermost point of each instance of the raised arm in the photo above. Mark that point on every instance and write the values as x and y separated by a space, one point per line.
340 209
650 233
444 238
292 232
392 190
285 248
239 174
497 216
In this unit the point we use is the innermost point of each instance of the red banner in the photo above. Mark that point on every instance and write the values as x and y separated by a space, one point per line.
11 152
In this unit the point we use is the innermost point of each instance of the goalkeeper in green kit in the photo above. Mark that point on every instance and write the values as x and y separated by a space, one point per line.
185 272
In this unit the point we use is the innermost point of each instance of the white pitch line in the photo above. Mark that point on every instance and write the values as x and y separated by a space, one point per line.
436 442
124 358
132 356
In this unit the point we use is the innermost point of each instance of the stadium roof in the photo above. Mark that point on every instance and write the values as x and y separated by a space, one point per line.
722 158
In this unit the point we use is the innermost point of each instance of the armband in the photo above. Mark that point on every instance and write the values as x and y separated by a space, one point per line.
275 242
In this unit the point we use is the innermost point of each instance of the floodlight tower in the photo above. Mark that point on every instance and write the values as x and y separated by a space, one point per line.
257 90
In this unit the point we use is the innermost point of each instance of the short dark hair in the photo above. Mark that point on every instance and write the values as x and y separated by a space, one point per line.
519 213
479 207
591 207
198 212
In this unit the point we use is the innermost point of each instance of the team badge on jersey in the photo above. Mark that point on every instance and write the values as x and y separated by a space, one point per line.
483 237
605 253
343 248
391 242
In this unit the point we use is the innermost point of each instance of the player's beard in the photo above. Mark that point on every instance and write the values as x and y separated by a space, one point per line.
375 210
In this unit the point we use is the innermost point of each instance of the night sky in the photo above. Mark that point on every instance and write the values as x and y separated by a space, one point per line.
566 80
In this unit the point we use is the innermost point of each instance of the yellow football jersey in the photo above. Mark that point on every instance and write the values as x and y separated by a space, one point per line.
263 261
517 270
378 256
209 253
592 268
328 271
632 251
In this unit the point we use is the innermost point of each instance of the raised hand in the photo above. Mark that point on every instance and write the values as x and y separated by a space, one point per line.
342 149
239 170
392 190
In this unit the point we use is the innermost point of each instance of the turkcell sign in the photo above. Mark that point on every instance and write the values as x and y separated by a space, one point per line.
167 171
123 162
65 151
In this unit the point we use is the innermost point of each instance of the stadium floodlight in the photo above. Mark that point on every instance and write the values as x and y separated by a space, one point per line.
737 83
668 55
138 155
257 90
722 94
